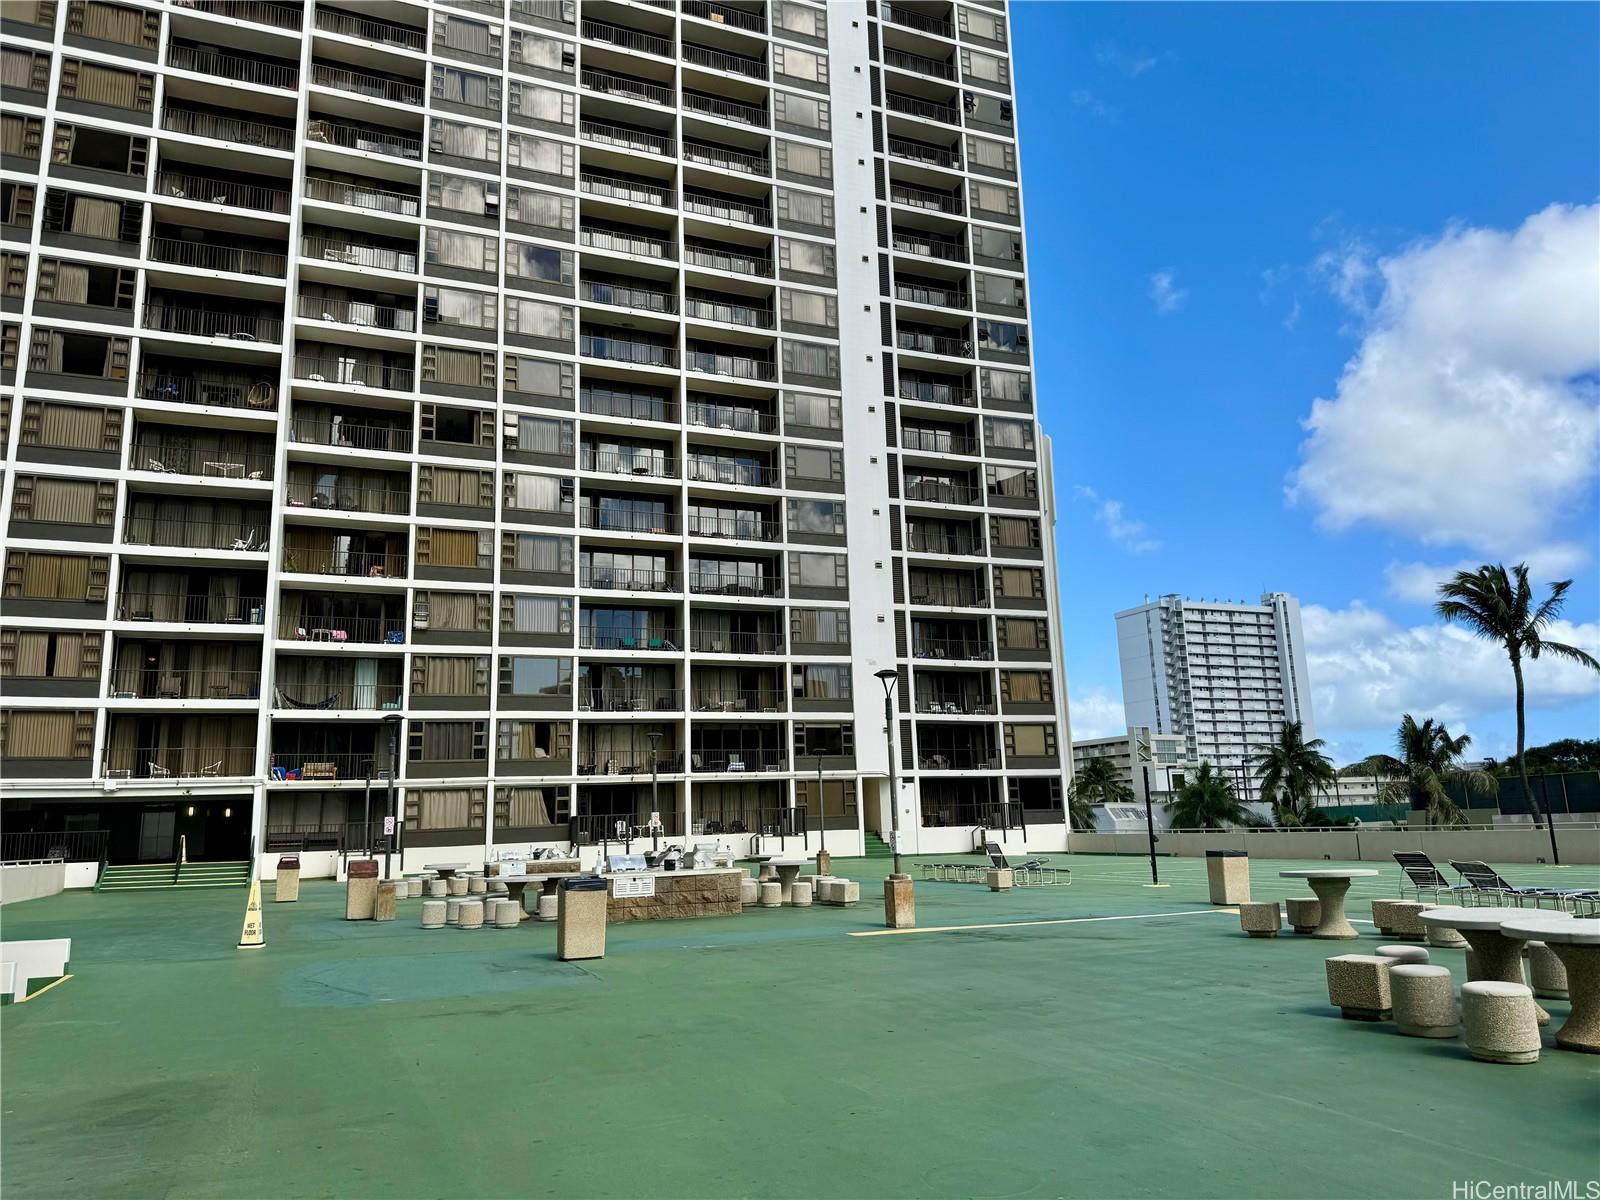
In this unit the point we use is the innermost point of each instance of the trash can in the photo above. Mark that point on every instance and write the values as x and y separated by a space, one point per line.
288 887
1228 874
581 918
361 889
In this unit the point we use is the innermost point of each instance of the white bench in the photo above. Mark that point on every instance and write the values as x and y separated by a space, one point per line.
45 958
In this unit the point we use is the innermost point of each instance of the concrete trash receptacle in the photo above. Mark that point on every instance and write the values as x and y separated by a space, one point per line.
581 918
383 907
288 887
1228 875
361 889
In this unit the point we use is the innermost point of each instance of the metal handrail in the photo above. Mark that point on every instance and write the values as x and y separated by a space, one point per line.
935 391
918 107
231 66
334 370
723 60
646 699
357 254
733 583
208 322
175 119
631 39
705 308
725 208
192 534
710 469
734 527
953 649
611 83
607 134
196 683
928 246
664 640
360 313
933 343
364 138
728 110
394 439
721 260
911 19
967 706
724 14
617 349
227 192
344 79
191 609
630 579
939 491
342 498
725 416
905 193
939 156
364 630
370 30
619 188
209 257
622 296
317 767
937 441
627 521
283 16
53 845
731 366
710 155
940 541
358 195
222 391
937 297
179 762
957 759
919 63
724 762
620 462
771 699
628 762
948 595
166 459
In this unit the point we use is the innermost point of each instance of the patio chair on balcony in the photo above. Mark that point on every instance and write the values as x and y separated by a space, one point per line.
157 771
245 543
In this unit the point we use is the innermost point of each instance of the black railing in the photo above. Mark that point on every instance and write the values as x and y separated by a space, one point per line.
221 391
362 313
623 242
928 246
175 119
911 19
165 458
618 187
208 256
348 498
628 462
942 491
187 608
936 391
931 294
722 60
736 474
735 762
627 406
728 641
622 296
629 39
358 254
228 193
950 649
942 594
660 641
724 260
623 520
385 438
630 579
236 67
324 628
179 762
53 845
356 137
724 208
739 700
262 12
728 312
727 110
914 151
359 564
370 30
942 541
938 814
194 534
937 441
612 84
624 762
349 371
953 704
957 759
356 195
725 416
379 87
733 366
606 134
637 699
317 767
904 193
709 155
136 683
614 349
344 695
210 322
724 14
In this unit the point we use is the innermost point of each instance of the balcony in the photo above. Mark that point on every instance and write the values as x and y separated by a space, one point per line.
735 472
131 681
625 137
357 435
931 294
723 60
366 29
360 83
198 123
660 640
724 700
950 649
321 767
709 581
727 110
914 151
244 535
704 306
188 608
737 526
730 366
895 14
928 245
946 592
626 39
708 414
742 161
314 369
916 106
630 699
641 461
735 762
726 208
212 323
325 626
212 389
261 12
937 537
614 349
922 341
916 197
358 254
725 14
934 389
920 63
622 241
362 314
630 87
929 440
227 193
942 491
627 405
345 561
625 520
355 195
626 761
630 579
213 462
957 758
725 258
173 762
338 694
256 71
329 494
206 256
370 140
623 187
599 291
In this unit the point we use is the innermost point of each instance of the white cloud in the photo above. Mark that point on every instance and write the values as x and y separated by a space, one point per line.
1366 671
1468 413
1096 713
1418 582
1094 106
1131 64
1133 536
1168 296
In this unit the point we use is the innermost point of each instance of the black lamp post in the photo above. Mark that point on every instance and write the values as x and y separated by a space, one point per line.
655 789
392 722
889 677
822 813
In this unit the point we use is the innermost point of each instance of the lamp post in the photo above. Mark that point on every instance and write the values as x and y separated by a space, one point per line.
889 677
655 790
822 813
392 722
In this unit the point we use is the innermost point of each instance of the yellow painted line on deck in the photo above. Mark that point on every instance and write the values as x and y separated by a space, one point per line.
1190 912
46 988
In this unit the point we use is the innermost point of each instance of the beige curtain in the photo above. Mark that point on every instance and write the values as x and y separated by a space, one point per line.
16 69
72 427
449 676
33 654
66 501
1016 581
462 34
444 808
55 577
452 485
528 806
106 85
95 218
1024 686
453 611
447 741
454 548
40 734
114 23
458 366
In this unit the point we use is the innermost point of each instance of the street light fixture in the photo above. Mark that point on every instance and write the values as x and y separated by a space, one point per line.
392 722
655 790
889 677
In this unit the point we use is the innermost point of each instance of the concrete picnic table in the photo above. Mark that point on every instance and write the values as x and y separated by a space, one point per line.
1577 945
785 867
444 870
517 884
1496 952
1330 884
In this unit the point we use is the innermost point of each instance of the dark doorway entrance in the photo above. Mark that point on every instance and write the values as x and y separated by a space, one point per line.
158 837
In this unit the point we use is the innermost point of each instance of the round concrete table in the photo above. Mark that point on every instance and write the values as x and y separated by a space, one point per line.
1497 954
515 886
1330 884
788 870
1577 945
445 870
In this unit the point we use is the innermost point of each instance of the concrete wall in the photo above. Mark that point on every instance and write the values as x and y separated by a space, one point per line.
29 881
1494 846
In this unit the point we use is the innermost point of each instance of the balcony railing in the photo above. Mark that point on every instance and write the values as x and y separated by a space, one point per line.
346 696
635 191
354 254
168 459
738 527
227 193
727 110
947 594
939 297
911 19
626 243
915 151
735 474
385 438
68 845
361 313
933 391
722 60
939 491
179 762
365 630
729 160
333 191
615 349
624 462
704 582
317 767
937 441
735 762
627 406
952 759
725 260
189 609
725 641
952 705
950 649
137 683
725 208
219 391
627 762
369 30
728 312
929 246
612 84
660 640
601 292
731 366
919 63
904 193
933 343
724 14
226 129
628 39
361 564
642 140
208 257
203 322
614 520
344 370
640 699
262 12
355 137
630 579
238 68
244 536
726 416
941 541
349 498
343 79
740 700
917 107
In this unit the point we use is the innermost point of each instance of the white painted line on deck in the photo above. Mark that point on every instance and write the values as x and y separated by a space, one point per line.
1192 912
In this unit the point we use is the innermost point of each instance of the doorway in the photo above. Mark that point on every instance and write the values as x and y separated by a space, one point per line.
157 828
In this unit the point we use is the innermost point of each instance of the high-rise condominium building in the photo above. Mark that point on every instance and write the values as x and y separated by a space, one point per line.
565 407
1225 676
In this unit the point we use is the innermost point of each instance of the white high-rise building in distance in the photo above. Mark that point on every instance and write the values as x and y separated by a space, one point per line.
1225 676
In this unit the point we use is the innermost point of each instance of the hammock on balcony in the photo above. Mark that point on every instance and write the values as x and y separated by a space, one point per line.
287 701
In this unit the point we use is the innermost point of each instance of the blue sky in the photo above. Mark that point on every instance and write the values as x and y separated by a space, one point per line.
1237 212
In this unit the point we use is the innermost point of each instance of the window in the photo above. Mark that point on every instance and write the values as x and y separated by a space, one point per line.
810 308
540 614
1019 483
521 675
438 547
538 376
543 209
86 283
819 570
824 741
805 208
1031 741
822 682
999 244
544 155
457 306
809 258
31 575
444 808
539 435
16 203
531 807
531 741
449 675
1026 687
453 612
808 112
96 84
475 89
999 289
813 412
815 462
799 64
540 263
458 193
821 626
536 318
1022 633
541 104
113 23
1015 533
40 654
998 156
817 517
539 493
543 552
1002 335
466 251
1011 387
797 158
1008 435
460 140
531 49
46 733
448 741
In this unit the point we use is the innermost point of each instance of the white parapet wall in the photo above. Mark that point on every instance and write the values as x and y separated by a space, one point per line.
30 881
1579 847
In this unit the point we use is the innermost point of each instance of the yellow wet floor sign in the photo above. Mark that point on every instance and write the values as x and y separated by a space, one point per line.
254 936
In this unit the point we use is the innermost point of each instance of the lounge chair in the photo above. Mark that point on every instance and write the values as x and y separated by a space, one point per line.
1423 876
1488 883
1032 872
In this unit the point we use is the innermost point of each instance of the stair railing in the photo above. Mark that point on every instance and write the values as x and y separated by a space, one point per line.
183 857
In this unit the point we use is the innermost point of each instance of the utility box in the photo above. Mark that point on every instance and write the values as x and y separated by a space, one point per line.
361 889
288 885
1228 874
581 918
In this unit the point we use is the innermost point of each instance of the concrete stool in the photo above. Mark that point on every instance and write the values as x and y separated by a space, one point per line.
1385 917
749 891
766 872
1501 1021
1545 972
433 914
472 914
477 885
800 894
1406 919
549 906
1424 1000
1358 986
452 910
1403 954
1305 913
498 888
437 887
457 885
507 914
847 892
772 894
414 888
1260 918
998 878
383 906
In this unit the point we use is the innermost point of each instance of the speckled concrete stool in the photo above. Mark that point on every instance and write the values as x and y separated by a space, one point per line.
1305 913
452 910
472 914
507 914
437 887
772 894
749 891
457 885
498 888
477 885
847 892
1546 975
549 906
800 894
1389 916
1424 1001
414 888
1260 918
433 914
1358 986
1406 916
1403 954
1501 1022
998 879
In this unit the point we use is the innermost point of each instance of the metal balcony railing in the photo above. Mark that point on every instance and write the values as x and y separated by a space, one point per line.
227 193
362 564
189 609
940 491
388 439
911 19
354 254
769 700
732 366
344 370
734 526
951 649
641 699
928 246
219 391
344 79
137 683
236 67
735 762
324 628
723 60
727 110
714 639
729 312
261 12
937 441
343 497
626 243
742 161
914 151
623 761
611 84
658 640
635 191
942 541
372 141
904 193
625 520
179 762
938 297
937 391
605 134
342 696
243 536
204 322
318 767
933 343
917 107
954 759
356 195
615 349
360 313
643 463
725 208
953 704
164 458
628 39
226 129
726 416
206 256
725 260
734 473
622 296
367 29
627 405
920 63
947 594
706 582
724 14
630 579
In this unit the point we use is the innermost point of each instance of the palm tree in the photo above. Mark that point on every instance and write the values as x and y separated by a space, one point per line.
1206 801
1498 607
1429 758
1097 781
1292 771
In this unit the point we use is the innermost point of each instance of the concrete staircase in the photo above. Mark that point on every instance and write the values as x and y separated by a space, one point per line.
875 847
144 877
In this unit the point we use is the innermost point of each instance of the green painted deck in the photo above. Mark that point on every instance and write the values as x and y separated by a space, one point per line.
765 1055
